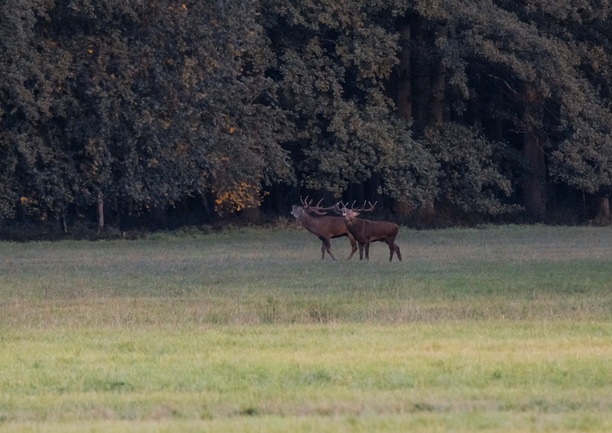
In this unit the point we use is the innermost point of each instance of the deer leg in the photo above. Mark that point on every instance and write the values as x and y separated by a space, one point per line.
360 251
391 249
326 247
367 250
353 246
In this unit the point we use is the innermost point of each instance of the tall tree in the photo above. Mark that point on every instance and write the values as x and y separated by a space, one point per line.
583 159
530 52
435 95
334 61
35 169
138 104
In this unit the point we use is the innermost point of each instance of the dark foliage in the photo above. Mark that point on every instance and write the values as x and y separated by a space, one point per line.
164 113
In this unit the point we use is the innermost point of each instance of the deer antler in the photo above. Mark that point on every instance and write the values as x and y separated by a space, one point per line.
363 208
338 207
307 205
306 202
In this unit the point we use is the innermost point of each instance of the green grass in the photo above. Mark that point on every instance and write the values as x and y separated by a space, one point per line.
493 330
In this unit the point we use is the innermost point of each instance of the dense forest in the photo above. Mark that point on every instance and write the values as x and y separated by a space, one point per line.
161 113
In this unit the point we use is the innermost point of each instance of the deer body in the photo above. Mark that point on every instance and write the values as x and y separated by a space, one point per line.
366 231
325 228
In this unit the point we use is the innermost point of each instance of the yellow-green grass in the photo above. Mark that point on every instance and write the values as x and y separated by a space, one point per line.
468 376
494 330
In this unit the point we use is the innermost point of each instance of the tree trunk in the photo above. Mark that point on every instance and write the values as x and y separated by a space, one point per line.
404 89
160 217
603 208
404 96
421 53
534 184
436 107
437 104
100 208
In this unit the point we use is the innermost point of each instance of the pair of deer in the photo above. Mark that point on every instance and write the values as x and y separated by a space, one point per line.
359 231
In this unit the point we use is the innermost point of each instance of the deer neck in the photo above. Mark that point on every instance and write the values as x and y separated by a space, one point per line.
349 221
309 222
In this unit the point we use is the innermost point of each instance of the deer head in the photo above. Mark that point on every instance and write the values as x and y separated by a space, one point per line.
353 212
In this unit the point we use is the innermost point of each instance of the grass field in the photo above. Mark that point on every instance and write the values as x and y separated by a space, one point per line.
499 329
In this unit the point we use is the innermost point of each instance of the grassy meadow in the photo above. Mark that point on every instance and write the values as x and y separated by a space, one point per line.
498 329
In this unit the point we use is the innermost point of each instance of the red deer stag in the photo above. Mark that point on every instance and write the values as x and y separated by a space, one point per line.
366 231
324 227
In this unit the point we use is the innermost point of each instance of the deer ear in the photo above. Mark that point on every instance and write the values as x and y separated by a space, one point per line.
355 213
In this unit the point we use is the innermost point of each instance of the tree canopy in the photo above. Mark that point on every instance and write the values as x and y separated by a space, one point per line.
463 109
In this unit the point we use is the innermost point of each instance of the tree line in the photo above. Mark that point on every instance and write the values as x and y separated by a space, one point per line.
445 110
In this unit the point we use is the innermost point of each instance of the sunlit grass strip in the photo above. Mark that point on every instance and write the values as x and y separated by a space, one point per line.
466 422
216 374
